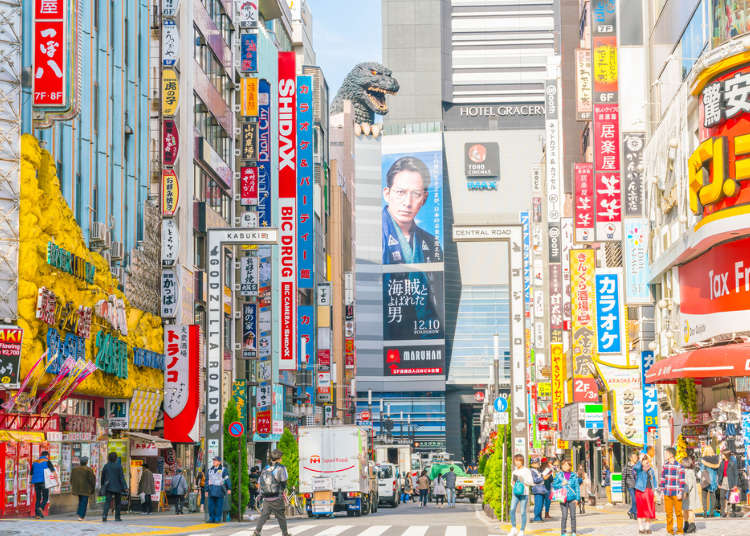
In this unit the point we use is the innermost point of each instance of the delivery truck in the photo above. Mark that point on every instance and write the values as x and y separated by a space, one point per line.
335 474
398 455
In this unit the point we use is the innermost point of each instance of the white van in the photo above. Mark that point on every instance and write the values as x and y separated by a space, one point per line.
389 490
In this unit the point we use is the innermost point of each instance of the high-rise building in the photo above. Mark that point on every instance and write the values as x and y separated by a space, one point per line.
471 74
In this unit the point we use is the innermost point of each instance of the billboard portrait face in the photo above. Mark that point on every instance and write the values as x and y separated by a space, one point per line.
412 208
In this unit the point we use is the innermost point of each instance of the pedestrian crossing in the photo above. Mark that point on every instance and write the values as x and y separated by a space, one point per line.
373 530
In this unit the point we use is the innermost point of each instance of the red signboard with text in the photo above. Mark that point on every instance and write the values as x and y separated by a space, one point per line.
50 54
249 185
287 98
584 202
181 382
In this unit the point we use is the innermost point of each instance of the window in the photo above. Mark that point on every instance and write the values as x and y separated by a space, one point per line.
212 192
199 258
210 129
211 66
219 17
77 406
228 269
227 333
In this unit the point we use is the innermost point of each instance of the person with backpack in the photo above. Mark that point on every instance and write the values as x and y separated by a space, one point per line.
521 483
539 490
271 485
219 485
252 485
179 489
37 479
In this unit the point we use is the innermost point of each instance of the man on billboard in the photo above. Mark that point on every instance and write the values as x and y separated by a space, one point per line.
405 193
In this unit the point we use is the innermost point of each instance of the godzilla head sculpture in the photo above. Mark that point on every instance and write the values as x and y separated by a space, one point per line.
366 87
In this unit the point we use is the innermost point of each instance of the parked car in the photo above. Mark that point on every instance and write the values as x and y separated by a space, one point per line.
388 484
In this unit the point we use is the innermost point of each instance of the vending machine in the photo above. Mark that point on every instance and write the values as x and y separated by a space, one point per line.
8 461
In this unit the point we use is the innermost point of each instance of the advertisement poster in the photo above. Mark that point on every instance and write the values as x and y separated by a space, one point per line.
413 207
412 306
636 262
117 414
583 317
418 360
249 330
249 266
305 180
182 383
170 92
170 192
11 338
715 292
633 145
249 97
264 154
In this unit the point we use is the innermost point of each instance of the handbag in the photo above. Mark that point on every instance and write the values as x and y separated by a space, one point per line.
51 479
559 495
734 496
519 489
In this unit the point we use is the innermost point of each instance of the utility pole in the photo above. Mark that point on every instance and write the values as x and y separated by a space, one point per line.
401 435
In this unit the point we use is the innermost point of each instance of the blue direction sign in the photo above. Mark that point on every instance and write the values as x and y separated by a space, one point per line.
501 404
236 429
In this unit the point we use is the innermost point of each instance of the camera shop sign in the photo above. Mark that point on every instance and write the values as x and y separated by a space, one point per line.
719 168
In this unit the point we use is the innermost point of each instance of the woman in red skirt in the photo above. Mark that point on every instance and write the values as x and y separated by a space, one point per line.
645 484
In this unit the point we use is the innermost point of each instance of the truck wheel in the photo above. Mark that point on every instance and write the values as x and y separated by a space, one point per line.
473 500
365 508
375 504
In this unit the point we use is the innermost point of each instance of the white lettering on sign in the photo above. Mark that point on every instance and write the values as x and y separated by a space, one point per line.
286 123
500 111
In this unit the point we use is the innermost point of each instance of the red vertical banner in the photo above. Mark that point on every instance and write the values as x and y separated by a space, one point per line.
584 202
50 54
181 382
607 177
607 137
287 100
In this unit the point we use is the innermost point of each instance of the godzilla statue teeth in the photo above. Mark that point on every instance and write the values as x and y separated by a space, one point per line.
366 86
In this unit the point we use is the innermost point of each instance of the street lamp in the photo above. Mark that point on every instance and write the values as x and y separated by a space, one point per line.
496 370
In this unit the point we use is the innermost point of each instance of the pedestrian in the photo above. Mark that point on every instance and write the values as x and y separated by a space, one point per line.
200 484
539 491
585 488
83 484
709 479
37 478
691 499
628 477
645 483
521 481
406 488
423 485
450 487
438 491
607 479
271 485
179 489
414 485
113 485
728 479
548 473
253 485
672 486
219 485
146 488
567 481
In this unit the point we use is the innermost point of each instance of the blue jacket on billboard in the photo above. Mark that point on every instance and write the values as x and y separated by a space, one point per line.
422 247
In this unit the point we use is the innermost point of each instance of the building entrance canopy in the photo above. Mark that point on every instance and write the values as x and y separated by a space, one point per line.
714 362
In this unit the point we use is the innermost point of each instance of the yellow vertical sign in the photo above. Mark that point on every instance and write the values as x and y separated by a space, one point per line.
249 97
583 318
558 379
170 92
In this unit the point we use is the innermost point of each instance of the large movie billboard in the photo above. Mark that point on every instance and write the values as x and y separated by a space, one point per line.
413 207
412 239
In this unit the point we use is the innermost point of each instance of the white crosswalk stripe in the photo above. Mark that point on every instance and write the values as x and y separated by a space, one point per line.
455 530
334 531
297 529
416 530
375 530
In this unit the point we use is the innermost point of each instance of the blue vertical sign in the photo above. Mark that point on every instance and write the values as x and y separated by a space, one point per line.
249 53
305 229
264 154
526 260
306 346
650 396
608 312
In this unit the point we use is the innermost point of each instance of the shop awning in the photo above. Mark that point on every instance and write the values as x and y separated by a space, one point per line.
158 441
714 362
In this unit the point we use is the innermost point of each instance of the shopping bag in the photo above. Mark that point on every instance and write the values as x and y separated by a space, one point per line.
559 495
51 480
734 496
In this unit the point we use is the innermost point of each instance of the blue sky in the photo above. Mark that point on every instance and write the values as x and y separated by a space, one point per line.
345 32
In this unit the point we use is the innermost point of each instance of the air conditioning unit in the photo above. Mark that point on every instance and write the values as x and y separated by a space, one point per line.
238 315
97 235
119 274
118 251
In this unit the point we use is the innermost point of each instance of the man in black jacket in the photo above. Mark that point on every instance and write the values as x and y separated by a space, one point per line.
729 477
113 485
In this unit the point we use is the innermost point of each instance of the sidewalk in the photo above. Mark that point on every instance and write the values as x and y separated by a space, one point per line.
614 521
